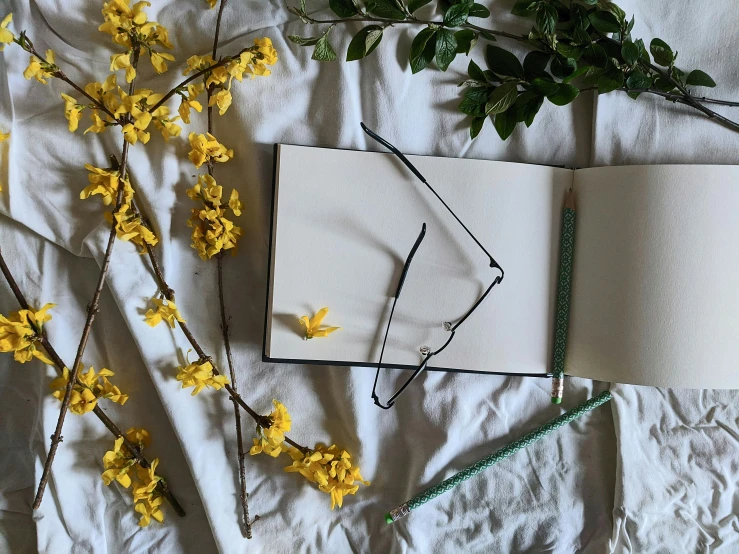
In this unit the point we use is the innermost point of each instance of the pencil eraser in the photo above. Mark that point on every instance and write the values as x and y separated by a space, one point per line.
556 400
388 518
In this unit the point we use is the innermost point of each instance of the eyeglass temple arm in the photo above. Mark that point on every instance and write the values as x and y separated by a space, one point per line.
417 173
403 275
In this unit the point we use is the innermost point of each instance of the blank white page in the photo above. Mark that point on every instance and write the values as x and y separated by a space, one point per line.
656 276
344 223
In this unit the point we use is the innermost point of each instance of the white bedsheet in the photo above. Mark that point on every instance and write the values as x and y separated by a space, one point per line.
654 471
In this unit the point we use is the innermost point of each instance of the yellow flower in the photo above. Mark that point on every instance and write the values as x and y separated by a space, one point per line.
330 468
41 69
266 50
189 102
72 111
132 134
130 228
198 63
105 183
263 445
166 310
150 508
98 124
212 3
123 61
118 464
234 203
222 99
140 437
4 136
313 325
20 331
200 375
206 148
168 127
271 439
88 389
6 37
158 61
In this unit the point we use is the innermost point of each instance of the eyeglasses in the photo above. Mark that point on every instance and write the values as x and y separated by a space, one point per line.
452 328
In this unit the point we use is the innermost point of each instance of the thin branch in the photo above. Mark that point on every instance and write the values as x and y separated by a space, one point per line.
92 310
59 365
59 74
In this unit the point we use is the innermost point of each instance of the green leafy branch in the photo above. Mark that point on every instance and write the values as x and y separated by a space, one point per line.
577 46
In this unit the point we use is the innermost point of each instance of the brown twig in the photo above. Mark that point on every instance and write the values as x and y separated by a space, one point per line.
92 310
59 365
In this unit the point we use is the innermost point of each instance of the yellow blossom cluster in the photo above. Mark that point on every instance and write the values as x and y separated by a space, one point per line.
105 182
89 388
252 62
166 310
189 101
212 230
6 36
200 375
207 149
330 468
129 27
120 465
41 69
20 331
271 439
129 227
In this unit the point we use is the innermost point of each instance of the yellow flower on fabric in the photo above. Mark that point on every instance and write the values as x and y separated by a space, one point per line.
166 310
263 445
235 204
189 102
198 63
271 439
140 437
118 464
123 22
133 134
21 330
150 509
6 37
40 69
158 61
222 99
330 468
206 148
200 376
313 325
212 3
87 390
130 228
105 182
123 61
168 127
72 111
266 50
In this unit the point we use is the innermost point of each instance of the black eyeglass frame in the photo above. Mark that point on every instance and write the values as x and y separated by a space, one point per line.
452 328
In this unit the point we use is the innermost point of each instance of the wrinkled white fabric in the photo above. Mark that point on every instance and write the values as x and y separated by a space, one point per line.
652 471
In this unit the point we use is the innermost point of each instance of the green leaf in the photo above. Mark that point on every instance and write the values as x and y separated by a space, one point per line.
564 95
385 8
615 10
503 62
579 71
590 2
364 42
630 52
630 26
546 18
474 71
477 94
663 84
456 15
579 17
569 51
639 80
505 123
531 109
413 5
488 36
581 38
472 107
524 8
423 49
698 78
502 98
323 52
595 55
466 39
544 87
611 79
562 67
643 54
478 10
534 64
446 48
476 126
604 22
343 8
661 52
303 41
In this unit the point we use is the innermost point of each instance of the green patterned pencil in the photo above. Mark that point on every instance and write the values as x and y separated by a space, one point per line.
447 485
567 251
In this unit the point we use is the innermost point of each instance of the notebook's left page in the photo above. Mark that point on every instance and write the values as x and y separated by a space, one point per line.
344 223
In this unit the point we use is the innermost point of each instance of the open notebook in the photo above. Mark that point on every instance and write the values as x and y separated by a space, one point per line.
655 297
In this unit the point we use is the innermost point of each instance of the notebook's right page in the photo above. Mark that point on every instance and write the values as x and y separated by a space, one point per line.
655 293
